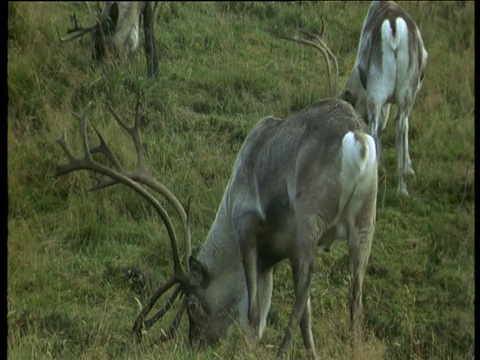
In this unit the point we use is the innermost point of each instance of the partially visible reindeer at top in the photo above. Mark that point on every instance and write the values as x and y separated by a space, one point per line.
389 69
117 30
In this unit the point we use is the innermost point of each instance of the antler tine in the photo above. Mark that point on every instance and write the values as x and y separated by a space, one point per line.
178 316
149 322
105 150
134 133
78 30
139 322
73 37
323 45
322 30
119 176
320 45
137 327
62 141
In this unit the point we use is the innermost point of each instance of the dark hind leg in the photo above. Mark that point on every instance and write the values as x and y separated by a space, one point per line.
246 229
302 262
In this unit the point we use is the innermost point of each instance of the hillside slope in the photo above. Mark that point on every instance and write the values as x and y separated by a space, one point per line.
221 70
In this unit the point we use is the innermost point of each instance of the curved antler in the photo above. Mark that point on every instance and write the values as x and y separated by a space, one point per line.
134 180
78 31
317 42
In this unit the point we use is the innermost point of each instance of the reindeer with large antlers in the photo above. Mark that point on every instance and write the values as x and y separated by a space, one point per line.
389 69
117 30
296 184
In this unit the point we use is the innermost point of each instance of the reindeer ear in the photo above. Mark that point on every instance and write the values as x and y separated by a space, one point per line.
198 275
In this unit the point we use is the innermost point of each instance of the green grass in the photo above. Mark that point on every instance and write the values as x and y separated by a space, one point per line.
221 70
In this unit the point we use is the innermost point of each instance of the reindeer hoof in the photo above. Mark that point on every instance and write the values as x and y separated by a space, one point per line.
402 191
409 172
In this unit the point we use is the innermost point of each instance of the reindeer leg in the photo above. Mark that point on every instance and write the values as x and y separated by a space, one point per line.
401 140
385 112
360 242
150 51
306 327
408 162
302 261
376 124
249 256
381 125
248 249
302 272
265 287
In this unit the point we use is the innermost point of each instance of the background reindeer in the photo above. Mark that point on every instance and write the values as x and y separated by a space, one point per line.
389 69
117 30
296 184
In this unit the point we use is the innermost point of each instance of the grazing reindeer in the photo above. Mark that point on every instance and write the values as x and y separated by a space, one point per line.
296 184
117 30
389 69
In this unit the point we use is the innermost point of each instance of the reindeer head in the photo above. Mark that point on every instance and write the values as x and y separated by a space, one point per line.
355 93
116 29
210 316
102 34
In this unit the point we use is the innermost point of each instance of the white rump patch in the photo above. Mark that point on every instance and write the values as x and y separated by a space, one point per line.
358 149
359 156
401 33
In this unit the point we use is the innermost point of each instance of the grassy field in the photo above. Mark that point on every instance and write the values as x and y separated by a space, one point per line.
221 70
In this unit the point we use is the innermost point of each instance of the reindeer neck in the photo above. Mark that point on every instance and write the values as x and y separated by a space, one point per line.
220 252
